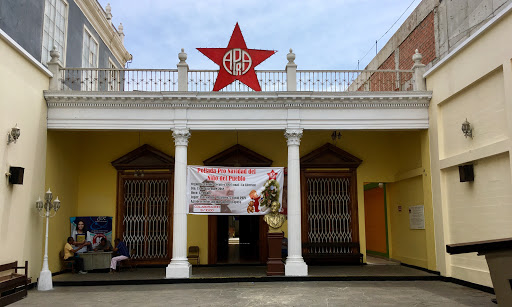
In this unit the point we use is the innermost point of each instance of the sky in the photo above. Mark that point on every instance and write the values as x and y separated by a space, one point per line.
324 34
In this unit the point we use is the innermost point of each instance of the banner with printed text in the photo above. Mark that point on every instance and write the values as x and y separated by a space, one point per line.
213 190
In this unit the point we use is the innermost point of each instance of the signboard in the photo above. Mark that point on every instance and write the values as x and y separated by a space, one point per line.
416 217
94 228
213 190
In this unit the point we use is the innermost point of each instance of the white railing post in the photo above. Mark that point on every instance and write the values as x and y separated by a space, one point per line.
54 66
419 70
182 72
291 72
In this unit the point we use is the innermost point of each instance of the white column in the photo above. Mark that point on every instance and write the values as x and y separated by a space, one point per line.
182 71
179 266
291 72
295 265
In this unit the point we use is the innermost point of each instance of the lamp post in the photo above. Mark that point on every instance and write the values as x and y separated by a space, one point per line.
45 277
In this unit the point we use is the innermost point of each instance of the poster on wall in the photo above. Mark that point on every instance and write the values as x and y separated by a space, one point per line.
416 217
91 229
213 190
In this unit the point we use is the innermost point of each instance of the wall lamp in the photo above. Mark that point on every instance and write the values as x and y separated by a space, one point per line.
335 135
467 129
13 135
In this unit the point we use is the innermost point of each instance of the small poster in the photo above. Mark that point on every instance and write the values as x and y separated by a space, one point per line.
90 229
416 217
213 190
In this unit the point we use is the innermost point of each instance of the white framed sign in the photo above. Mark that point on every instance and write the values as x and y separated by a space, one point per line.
417 217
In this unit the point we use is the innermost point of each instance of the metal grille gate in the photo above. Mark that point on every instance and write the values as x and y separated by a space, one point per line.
329 217
145 218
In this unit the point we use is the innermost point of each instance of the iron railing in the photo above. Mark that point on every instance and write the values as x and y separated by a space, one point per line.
161 80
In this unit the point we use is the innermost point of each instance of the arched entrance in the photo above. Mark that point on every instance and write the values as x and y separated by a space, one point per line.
330 228
144 211
250 231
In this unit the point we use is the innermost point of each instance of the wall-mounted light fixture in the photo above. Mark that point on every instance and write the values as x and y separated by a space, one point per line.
13 135
335 135
467 129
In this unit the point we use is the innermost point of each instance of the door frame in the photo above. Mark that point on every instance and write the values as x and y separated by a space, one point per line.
120 208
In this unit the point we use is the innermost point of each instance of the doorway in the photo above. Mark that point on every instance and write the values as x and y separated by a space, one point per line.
375 216
238 239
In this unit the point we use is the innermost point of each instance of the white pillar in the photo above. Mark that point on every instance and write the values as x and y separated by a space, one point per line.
182 71
419 70
179 266
291 72
295 265
54 65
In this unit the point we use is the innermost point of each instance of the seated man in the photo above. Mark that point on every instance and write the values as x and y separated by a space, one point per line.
69 253
104 246
122 254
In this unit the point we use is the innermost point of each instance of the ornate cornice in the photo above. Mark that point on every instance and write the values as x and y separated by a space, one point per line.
108 34
181 136
193 100
293 136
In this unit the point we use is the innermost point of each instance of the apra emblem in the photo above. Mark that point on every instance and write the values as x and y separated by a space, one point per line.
237 62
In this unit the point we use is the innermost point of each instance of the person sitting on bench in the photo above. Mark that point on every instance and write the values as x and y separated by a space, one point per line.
122 254
69 252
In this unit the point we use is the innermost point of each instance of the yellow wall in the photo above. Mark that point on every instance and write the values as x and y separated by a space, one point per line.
475 83
22 103
384 155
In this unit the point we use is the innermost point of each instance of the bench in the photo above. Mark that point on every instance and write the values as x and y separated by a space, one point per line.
13 287
328 253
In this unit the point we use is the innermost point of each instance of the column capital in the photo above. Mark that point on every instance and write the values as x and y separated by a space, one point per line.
293 136
181 136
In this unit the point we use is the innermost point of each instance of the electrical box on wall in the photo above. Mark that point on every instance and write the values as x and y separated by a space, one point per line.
16 175
466 173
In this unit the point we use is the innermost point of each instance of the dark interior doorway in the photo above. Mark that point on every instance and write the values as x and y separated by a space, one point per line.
238 239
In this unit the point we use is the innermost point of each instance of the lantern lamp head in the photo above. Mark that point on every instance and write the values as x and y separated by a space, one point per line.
13 136
467 129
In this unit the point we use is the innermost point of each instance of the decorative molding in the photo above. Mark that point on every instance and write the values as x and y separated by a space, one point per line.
236 156
482 152
181 136
107 32
329 156
305 100
293 136
144 157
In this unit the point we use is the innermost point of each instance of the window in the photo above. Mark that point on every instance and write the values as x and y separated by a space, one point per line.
54 28
89 51
90 78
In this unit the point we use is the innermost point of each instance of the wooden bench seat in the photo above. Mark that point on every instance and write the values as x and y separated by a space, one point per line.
13 287
324 253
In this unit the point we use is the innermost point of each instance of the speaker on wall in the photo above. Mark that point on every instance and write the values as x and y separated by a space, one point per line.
16 176
466 173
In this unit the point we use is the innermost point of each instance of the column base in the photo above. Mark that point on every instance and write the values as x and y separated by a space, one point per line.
295 267
178 269
45 283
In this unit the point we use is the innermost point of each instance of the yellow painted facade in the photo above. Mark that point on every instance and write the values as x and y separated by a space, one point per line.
474 83
22 103
88 180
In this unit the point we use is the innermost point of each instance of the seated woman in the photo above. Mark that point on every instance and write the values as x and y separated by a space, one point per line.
104 246
122 254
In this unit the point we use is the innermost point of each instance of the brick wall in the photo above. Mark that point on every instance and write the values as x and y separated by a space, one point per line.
421 38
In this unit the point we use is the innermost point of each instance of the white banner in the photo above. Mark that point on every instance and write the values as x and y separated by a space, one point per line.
216 190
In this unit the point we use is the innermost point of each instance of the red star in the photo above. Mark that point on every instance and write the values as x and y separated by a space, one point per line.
236 61
272 175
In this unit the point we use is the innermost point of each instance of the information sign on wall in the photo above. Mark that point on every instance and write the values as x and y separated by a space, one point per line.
416 217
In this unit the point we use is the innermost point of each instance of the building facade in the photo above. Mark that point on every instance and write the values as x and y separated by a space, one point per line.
84 36
116 142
